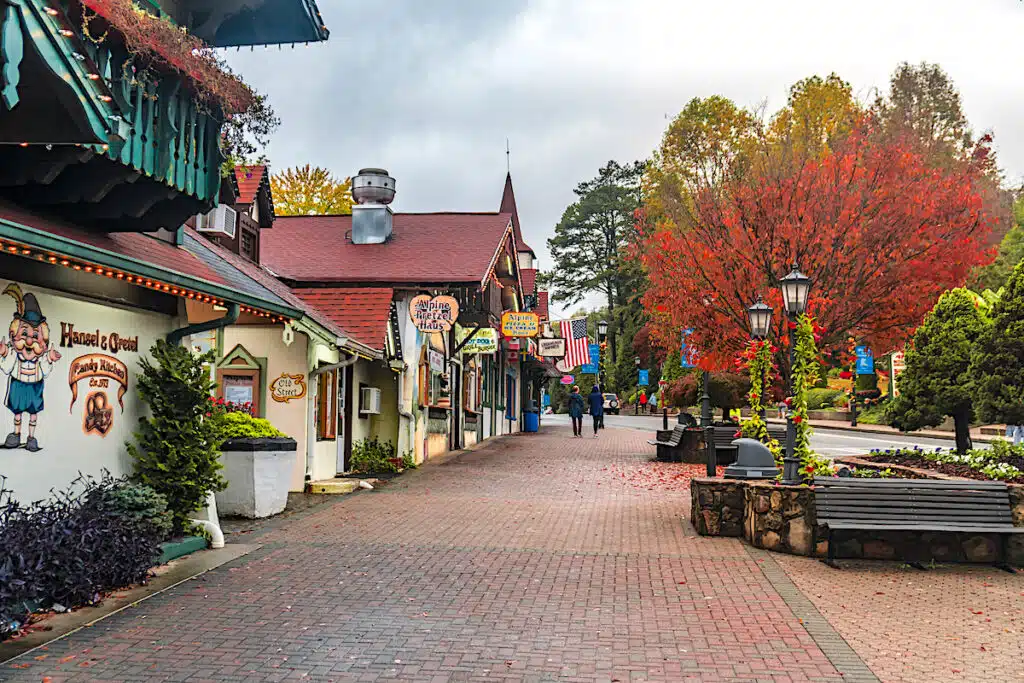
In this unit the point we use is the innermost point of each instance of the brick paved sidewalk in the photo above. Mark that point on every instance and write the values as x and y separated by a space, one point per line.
527 560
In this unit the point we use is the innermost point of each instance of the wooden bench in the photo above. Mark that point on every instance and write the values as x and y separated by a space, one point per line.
848 504
667 448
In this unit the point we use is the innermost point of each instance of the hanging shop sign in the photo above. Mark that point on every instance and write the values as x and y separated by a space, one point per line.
515 324
484 341
568 379
434 314
288 388
436 360
551 348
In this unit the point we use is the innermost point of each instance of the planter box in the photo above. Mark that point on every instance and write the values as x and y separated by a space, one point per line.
258 472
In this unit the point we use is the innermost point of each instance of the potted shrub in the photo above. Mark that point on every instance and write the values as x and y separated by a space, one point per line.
258 461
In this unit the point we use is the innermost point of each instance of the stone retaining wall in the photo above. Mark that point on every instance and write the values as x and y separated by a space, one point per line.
784 519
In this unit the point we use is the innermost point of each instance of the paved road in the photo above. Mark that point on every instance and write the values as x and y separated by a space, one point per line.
829 442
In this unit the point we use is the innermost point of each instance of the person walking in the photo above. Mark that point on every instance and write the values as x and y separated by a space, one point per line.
643 401
1016 433
596 399
654 402
576 407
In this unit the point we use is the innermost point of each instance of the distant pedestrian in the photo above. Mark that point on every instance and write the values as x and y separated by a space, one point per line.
782 409
643 401
596 407
576 407
654 403
1016 433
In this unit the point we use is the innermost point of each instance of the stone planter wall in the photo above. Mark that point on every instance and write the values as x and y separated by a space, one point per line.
258 472
781 518
716 506
784 519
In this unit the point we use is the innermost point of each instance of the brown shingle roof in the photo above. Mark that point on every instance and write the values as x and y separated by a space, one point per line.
363 311
529 276
424 248
542 305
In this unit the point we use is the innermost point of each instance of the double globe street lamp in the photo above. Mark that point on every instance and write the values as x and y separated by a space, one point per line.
796 288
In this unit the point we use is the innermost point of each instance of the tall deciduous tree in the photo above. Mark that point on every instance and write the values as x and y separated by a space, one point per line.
881 232
309 191
1011 252
592 240
998 365
938 380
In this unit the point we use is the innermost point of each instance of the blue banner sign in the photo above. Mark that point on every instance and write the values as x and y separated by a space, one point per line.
643 378
593 367
865 361
685 354
545 400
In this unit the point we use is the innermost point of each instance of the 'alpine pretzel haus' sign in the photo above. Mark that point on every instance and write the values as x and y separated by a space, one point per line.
433 314
551 348
515 324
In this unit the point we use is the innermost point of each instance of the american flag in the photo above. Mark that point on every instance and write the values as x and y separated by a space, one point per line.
577 344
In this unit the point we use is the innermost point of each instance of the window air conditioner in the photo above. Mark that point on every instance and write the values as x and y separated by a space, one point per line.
220 221
369 401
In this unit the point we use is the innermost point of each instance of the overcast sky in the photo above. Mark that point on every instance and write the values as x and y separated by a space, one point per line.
430 89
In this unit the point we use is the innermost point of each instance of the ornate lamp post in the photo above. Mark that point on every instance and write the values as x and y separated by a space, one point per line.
760 316
795 290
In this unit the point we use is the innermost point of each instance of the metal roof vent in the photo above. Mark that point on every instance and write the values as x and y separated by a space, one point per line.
372 189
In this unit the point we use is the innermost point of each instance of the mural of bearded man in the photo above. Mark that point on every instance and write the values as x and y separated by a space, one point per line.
30 363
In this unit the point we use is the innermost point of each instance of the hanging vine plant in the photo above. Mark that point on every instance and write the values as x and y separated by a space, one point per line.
157 44
805 376
758 360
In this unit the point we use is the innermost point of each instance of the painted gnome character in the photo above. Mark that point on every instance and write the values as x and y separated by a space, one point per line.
29 364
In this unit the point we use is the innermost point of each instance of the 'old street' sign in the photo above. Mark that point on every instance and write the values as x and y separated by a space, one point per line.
288 388
434 314
515 324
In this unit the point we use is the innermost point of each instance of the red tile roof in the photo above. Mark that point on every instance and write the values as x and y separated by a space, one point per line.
267 280
424 248
529 276
249 180
133 245
542 305
363 311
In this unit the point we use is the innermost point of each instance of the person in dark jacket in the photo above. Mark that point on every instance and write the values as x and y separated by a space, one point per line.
576 407
596 399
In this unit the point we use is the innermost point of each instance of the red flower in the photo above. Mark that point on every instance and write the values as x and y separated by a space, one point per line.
737 435
789 401
845 374
797 419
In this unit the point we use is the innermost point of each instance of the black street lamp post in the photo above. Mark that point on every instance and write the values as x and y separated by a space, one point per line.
636 403
760 315
795 289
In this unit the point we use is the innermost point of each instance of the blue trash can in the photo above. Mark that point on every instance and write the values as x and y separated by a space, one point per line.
531 421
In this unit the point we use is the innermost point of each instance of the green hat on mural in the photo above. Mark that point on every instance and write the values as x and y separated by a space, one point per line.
31 312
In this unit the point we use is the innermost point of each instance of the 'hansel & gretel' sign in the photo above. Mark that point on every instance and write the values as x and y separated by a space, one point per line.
288 387
433 314
515 324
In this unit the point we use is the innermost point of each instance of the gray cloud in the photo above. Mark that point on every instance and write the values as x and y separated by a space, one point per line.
431 90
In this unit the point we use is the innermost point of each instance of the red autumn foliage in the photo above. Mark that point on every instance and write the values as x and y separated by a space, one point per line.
159 42
881 233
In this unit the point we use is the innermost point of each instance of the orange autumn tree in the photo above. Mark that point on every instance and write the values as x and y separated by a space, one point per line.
734 203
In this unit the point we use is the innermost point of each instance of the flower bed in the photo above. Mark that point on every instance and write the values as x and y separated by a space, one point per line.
1002 462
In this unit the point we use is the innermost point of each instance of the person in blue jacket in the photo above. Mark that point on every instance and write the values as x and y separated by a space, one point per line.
576 407
596 399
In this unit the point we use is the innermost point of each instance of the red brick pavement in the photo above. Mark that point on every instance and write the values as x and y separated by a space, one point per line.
526 560
950 623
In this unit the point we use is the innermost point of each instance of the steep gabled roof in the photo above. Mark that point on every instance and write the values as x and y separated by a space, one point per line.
424 248
508 205
250 178
529 276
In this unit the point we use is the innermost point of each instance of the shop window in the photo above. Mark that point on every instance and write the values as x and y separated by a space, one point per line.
248 245
240 380
327 406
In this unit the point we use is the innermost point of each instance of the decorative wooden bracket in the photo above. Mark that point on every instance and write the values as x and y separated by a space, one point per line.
12 51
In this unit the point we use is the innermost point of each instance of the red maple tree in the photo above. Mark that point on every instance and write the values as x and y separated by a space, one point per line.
880 231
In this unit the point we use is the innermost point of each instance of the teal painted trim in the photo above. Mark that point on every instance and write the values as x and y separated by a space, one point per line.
40 239
12 51
176 549
230 318
179 236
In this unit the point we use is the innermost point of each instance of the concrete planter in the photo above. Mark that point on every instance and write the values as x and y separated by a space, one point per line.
258 472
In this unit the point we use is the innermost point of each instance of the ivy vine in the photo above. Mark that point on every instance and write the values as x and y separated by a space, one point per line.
758 360
805 376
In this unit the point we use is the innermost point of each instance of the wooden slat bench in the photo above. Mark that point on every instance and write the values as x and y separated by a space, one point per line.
667 448
849 504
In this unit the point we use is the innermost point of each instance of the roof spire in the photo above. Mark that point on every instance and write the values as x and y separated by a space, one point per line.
508 158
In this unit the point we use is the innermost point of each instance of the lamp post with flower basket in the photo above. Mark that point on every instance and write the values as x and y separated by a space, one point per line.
795 290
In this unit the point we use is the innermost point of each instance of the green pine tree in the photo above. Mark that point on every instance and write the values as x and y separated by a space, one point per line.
998 364
938 379
178 447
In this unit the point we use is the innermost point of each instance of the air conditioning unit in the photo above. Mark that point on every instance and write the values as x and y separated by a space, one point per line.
220 221
369 401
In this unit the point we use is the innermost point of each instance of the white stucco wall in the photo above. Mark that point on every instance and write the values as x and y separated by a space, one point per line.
290 417
68 444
